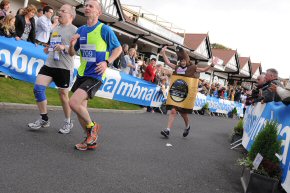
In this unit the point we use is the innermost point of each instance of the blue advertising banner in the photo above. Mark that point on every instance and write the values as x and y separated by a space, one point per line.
217 105
20 59
254 121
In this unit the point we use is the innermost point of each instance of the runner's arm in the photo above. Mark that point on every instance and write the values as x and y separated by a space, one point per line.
166 60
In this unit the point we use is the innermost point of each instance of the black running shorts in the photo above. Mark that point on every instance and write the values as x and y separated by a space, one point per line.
88 84
61 77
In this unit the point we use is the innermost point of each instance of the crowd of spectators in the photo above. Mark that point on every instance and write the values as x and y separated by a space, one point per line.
28 24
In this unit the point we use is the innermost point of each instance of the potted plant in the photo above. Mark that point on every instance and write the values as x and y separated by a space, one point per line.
262 177
233 113
238 131
205 110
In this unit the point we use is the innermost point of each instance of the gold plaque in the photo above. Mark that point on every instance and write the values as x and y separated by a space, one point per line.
182 91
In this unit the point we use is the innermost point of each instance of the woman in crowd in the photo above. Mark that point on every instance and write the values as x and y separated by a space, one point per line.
187 69
7 27
25 24
4 9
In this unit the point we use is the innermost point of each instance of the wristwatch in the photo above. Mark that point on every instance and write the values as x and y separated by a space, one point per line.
107 62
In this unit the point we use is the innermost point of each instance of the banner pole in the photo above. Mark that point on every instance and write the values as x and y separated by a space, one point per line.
25 3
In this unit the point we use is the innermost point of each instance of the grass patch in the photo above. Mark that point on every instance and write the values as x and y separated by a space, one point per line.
15 91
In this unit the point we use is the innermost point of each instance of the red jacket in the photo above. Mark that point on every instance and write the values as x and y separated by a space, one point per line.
149 74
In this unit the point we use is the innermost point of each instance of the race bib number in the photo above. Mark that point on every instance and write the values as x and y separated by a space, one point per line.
53 42
88 52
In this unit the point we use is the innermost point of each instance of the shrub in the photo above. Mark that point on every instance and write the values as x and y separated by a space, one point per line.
206 106
239 129
235 111
267 144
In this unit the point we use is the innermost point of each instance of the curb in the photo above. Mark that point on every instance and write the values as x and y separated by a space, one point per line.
16 106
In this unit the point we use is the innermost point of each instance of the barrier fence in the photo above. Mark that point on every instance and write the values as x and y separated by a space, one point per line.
255 119
22 60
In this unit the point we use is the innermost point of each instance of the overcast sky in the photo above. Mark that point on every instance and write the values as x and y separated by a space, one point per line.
258 29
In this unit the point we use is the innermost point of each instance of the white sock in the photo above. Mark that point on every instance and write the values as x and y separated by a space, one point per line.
67 120
187 127
167 129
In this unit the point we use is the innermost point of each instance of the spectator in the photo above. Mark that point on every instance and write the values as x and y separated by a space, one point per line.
150 71
164 86
143 68
134 68
205 89
121 60
284 93
158 74
256 95
226 93
7 28
4 9
271 77
44 26
38 14
20 11
25 25
129 61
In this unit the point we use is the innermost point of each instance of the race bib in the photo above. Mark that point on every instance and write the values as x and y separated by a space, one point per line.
88 52
53 41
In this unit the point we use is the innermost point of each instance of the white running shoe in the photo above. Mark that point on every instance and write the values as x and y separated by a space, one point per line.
38 124
66 128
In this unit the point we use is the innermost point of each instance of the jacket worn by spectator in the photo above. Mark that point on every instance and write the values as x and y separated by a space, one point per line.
20 27
149 74
270 96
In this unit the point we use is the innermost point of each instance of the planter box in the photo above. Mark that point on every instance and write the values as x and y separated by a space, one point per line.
256 183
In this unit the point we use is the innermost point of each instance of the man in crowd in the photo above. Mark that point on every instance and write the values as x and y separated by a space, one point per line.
38 14
99 47
271 77
44 26
58 69
121 63
284 93
256 95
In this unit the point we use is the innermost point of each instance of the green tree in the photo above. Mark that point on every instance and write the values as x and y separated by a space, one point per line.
267 144
219 46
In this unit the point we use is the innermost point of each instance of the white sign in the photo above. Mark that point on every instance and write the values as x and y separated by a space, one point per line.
257 161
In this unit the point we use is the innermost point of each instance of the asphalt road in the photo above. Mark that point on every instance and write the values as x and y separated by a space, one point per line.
132 156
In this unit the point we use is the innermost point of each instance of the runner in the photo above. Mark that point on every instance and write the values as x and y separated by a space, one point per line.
187 69
58 69
96 42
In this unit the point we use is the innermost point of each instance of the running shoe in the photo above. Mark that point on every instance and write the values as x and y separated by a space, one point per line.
165 133
83 146
186 132
92 134
66 128
38 124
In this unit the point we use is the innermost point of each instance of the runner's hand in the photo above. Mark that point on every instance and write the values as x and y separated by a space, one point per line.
74 39
163 50
101 67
